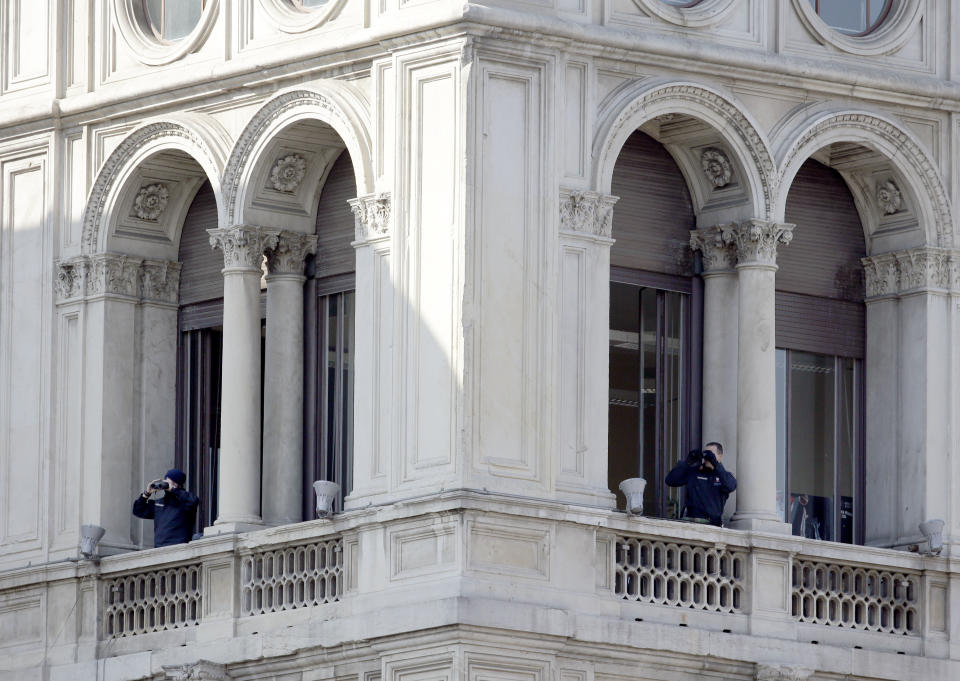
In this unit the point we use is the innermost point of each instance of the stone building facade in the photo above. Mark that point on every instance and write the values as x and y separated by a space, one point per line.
477 262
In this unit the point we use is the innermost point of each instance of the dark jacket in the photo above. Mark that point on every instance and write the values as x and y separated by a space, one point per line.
707 490
173 515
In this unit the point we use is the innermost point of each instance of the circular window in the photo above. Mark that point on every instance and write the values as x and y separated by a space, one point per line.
172 20
852 17
689 13
162 31
296 16
861 27
682 3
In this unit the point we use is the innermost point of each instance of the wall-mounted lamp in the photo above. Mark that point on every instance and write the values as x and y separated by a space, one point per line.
632 489
932 531
90 536
327 493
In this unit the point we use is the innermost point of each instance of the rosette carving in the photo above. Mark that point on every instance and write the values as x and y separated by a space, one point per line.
243 247
716 245
587 212
290 251
889 197
287 173
373 215
151 201
716 166
757 241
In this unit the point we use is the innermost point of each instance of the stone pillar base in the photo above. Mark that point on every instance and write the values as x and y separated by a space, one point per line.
760 525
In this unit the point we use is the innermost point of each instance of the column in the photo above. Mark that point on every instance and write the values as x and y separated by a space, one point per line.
720 336
283 379
756 242
239 490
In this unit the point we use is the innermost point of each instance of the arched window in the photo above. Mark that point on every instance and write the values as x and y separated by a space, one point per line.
655 313
820 349
852 17
171 20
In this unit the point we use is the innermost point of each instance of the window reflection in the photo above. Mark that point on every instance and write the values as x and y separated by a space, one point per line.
172 20
853 17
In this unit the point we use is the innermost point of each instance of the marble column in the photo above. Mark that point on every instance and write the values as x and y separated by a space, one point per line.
239 486
720 335
283 379
756 242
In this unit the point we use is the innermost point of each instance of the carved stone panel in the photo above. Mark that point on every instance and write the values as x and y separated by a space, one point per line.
373 215
587 212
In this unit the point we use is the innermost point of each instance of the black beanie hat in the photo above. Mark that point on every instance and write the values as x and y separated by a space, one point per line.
177 476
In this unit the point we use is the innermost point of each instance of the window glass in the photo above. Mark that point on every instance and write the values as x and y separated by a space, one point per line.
172 20
682 3
818 441
853 17
309 4
649 410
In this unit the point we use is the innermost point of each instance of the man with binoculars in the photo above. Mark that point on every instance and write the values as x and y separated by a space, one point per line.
172 508
708 484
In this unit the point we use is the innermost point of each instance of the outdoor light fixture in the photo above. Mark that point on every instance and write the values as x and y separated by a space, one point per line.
90 536
632 489
326 494
932 531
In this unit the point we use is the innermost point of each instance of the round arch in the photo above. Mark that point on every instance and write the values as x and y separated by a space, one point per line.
339 105
639 102
199 136
885 136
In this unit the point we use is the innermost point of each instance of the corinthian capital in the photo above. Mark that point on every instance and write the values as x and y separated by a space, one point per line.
924 268
160 281
882 275
243 247
757 241
587 212
372 215
715 243
288 254
71 276
113 274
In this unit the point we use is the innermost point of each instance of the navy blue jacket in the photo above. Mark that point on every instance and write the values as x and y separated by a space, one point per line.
707 490
173 516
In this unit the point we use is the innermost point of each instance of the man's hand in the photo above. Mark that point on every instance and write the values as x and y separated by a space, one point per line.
693 458
149 490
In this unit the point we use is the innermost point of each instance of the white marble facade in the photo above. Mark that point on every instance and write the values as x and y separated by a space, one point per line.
480 541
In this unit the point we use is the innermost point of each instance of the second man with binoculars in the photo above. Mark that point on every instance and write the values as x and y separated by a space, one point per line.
708 484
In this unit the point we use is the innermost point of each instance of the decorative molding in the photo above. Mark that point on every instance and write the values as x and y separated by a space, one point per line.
372 215
151 201
889 198
923 268
116 165
757 241
688 98
334 108
201 670
287 173
716 167
882 275
113 274
918 269
243 246
288 254
291 19
587 212
716 245
920 164
777 672
145 47
160 281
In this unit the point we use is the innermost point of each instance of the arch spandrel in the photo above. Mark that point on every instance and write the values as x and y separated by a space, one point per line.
899 158
639 103
196 136
341 106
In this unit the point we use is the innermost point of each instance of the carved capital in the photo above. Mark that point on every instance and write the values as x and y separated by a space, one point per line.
160 281
198 671
587 212
715 243
243 247
778 672
71 278
288 254
113 274
924 268
757 241
372 215
882 275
